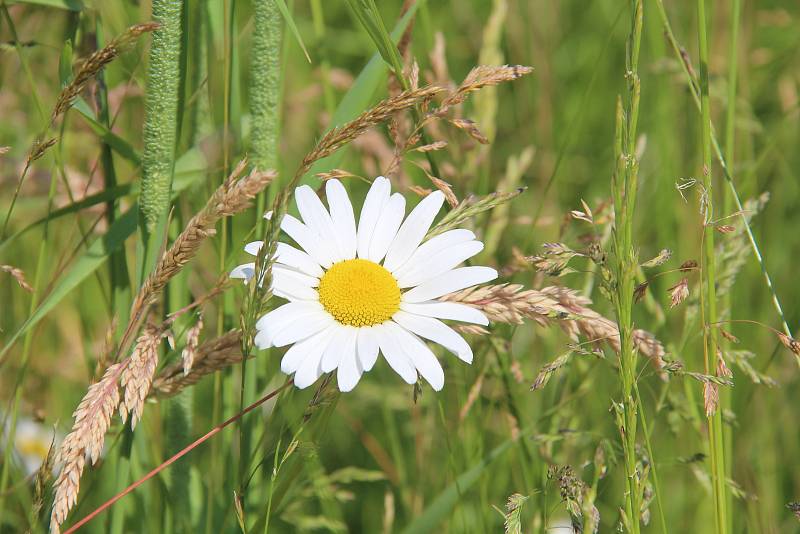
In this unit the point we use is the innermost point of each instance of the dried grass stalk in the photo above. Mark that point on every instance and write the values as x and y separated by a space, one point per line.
510 303
94 63
482 76
92 419
210 356
138 374
340 136
233 196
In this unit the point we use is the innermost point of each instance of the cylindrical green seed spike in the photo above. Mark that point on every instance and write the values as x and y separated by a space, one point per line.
161 111
265 84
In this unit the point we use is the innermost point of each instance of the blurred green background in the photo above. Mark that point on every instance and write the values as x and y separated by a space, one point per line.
375 460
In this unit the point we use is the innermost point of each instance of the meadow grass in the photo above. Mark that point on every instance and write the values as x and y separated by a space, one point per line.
636 189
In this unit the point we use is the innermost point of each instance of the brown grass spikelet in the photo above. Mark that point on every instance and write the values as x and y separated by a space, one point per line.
38 149
640 291
432 147
92 419
678 292
511 303
210 356
137 376
482 76
710 398
547 371
445 188
90 66
334 174
341 135
18 275
192 341
790 343
469 127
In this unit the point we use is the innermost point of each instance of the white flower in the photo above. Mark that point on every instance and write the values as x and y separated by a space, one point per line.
356 291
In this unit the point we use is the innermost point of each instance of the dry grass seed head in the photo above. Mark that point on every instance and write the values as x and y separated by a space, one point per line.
92 419
190 350
678 292
18 275
138 374
509 303
210 356
90 66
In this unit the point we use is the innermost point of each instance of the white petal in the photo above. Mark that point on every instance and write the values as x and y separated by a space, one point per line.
342 342
253 247
275 321
308 348
395 357
433 246
436 331
422 357
279 270
309 371
367 347
245 271
287 284
344 221
288 255
386 227
318 220
349 371
448 282
446 310
307 239
439 263
413 231
302 329
376 200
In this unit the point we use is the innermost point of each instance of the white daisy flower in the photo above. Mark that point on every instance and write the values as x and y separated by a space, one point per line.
355 291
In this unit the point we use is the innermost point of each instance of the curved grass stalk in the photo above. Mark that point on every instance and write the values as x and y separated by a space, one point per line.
694 89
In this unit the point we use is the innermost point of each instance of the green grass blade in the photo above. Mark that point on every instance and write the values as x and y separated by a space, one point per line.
120 146
441 507
292 26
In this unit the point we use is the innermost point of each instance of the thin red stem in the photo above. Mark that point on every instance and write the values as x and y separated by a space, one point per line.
211 433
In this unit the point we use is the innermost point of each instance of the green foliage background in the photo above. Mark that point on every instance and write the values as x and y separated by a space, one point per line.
375 460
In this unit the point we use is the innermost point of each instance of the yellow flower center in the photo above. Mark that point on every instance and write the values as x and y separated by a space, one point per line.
359 293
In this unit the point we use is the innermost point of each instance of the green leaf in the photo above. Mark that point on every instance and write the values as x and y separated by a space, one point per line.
443 504
118 144
65 64
292 26
69 5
